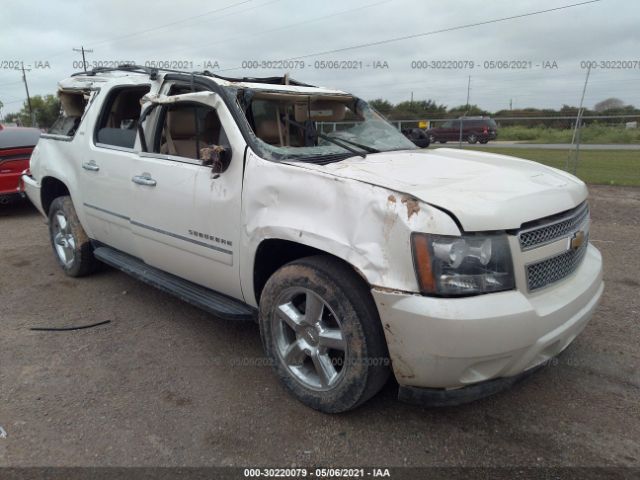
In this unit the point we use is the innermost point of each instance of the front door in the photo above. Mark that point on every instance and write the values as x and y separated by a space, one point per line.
186 218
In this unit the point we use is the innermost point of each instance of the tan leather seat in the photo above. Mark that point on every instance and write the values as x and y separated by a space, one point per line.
181 133
268 132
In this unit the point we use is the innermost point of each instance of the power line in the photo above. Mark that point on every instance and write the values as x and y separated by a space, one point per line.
433 32
285 27
160 27
450 29
142 32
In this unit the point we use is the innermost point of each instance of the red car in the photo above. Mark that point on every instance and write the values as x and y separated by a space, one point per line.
16 145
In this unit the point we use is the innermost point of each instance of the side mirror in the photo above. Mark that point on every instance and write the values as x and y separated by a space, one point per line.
218 157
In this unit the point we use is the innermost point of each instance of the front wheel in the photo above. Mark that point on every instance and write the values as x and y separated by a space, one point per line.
70 242
321 331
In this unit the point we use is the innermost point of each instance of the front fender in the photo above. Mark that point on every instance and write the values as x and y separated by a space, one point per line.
365 225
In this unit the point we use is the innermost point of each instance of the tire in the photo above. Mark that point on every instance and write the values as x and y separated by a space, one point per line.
339 361
472 138
71 245
442 141
484 142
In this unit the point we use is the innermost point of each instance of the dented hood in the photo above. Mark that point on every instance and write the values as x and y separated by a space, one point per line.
484 191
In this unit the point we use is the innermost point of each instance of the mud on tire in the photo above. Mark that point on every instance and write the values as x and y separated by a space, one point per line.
315 314
71 245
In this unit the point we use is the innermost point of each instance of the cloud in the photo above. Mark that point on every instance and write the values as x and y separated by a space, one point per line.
192 32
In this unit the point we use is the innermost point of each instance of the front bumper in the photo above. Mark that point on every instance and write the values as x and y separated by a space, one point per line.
448 343
32 189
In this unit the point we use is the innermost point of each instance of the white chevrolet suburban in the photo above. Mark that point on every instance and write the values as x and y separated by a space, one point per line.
302 208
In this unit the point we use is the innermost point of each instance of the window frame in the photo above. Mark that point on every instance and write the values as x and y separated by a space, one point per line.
105 109
156 134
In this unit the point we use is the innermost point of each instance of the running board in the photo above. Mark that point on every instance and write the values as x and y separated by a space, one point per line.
201 297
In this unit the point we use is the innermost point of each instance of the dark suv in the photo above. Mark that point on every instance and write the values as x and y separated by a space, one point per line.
474 129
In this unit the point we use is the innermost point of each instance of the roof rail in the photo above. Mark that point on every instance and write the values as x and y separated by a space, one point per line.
153 74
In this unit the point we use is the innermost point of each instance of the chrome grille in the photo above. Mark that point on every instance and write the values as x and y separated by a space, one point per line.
553 229
551 270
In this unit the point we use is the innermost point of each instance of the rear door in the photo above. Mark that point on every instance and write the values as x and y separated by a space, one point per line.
106 170
186 217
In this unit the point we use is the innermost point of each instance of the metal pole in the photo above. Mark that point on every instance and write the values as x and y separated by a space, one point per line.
578 126
26 87
466 112
84 62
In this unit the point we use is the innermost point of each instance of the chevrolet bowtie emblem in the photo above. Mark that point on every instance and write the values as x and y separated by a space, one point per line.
577 240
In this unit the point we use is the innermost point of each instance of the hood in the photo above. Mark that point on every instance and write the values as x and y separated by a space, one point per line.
484 191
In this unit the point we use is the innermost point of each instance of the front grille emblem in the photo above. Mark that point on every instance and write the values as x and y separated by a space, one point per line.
577 240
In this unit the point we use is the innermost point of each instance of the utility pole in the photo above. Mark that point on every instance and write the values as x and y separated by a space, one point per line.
578 127
466 112
510 104
468 92
83 51
26 87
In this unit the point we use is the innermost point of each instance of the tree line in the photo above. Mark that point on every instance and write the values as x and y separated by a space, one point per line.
46 110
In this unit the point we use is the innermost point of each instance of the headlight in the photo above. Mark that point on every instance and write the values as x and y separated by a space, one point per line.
466 265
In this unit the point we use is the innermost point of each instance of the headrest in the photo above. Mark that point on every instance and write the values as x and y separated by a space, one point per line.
181 123
267 131
72 104
320 111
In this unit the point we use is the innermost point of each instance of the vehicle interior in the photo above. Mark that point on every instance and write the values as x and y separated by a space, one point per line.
188 128
72 106
119 120
291 120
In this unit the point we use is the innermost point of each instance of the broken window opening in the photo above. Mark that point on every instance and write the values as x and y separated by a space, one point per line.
292 126
72 106
187 129
119 118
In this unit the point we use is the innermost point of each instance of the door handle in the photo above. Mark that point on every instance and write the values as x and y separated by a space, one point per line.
91 166
144 179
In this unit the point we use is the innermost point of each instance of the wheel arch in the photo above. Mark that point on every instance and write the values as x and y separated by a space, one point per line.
273 253
52 188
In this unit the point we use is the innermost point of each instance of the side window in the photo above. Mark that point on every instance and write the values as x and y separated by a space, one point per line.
455 124
184 130
72 106
447 124
118 121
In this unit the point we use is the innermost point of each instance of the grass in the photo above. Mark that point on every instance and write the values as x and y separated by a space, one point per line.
604 167
590 134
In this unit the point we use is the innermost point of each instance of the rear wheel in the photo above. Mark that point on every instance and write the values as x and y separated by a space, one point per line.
321 330
70 243
472 138
484 141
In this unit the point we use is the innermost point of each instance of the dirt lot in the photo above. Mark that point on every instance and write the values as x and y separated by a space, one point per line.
163 384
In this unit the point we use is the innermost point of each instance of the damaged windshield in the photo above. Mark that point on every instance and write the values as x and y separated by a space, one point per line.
315 127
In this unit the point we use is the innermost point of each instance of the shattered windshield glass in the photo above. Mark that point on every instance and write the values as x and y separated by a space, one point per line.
315 127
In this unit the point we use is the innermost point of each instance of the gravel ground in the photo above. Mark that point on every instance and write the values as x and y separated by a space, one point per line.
161 383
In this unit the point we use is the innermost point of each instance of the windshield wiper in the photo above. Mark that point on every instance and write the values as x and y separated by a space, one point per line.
359 145
338 142
327 138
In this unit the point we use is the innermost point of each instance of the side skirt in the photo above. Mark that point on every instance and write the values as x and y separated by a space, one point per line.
213 302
